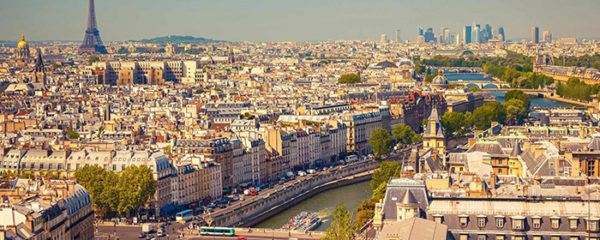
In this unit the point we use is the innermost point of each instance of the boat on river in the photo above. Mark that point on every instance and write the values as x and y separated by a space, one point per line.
305 221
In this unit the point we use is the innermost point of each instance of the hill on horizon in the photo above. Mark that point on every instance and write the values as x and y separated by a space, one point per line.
179 39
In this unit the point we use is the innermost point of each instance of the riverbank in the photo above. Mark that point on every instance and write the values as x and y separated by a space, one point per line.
272 201
304 196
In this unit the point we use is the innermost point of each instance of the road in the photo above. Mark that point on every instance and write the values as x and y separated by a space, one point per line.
106 231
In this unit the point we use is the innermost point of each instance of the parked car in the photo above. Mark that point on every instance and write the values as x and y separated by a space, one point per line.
142 235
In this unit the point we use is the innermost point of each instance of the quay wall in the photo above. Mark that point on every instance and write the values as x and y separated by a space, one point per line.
290 194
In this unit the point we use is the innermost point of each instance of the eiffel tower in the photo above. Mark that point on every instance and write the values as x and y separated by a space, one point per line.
91 41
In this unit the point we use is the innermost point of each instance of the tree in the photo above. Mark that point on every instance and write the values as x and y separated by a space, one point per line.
136 186
490 112
341 228
404 134
516 110
381 142
92 179
72 134
350 78
386 170
455 124
93 59
518 94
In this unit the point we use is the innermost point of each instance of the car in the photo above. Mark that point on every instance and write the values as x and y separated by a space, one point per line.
222 205
142 235
242 238
310 171
235 198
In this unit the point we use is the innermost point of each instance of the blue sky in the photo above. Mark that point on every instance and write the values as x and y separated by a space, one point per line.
291 20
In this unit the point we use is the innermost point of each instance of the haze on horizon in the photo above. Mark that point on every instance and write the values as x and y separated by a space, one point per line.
292 20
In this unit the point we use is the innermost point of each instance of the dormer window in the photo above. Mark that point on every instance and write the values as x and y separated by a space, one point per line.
438 218
464 220
536 222
555 222
592 224
499 221
481 220
518 223
573 221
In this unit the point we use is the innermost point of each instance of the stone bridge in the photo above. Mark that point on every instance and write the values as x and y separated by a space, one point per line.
483 84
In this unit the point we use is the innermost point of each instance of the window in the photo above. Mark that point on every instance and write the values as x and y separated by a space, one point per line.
41 166
464 220
592 225
517 224
537 222
537 237
555 223
555 238
481 237
464 236
500 222
573 223
574 238
438 218
481 222
499 237
519 237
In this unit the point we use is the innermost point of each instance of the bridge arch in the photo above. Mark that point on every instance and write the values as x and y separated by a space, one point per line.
473 85
491 85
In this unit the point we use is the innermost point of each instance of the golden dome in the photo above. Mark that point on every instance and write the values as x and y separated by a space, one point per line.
22 43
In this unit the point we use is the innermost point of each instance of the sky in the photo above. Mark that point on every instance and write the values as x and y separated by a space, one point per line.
292 20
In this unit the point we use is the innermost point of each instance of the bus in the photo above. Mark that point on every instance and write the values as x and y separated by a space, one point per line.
184 215
217 231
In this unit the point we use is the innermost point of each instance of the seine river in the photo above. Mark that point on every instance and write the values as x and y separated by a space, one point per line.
535 102
324 204
352 195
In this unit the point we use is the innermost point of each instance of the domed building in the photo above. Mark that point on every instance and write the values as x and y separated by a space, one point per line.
22 53
440 81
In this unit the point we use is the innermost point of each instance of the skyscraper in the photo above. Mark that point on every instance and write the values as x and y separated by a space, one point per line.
447 36
443 38
91 40
467 35
535 35
475 37
420 31
429 35
488 30
501 33
383 38
547 37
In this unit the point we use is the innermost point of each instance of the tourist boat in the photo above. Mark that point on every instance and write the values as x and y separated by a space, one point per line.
305 221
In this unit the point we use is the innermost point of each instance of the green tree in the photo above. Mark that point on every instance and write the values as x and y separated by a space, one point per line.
199 91
110 196
93 59
386 170
350 78
404 134
341 228
516 110
518 94
72 134
455 123
381 142
92 179
483 116
136 186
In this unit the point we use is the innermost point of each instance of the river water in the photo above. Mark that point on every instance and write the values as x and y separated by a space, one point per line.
324 204
535 102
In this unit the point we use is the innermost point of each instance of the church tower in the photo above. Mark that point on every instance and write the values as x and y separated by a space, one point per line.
433 136
39 75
